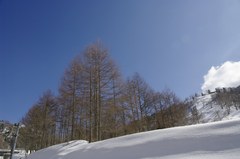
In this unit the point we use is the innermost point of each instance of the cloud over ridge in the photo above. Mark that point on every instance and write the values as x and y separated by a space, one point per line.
226 75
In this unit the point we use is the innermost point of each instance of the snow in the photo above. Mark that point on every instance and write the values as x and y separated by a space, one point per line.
217 140
211 112
19 156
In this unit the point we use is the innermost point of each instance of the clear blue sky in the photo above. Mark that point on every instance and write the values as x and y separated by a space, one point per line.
171 43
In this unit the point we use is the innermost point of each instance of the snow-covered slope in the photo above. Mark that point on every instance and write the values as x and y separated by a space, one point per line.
218 140
211 112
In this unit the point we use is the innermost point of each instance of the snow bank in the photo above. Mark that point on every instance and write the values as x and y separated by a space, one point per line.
218 140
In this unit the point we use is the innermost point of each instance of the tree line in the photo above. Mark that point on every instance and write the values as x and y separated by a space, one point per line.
227 98
94 103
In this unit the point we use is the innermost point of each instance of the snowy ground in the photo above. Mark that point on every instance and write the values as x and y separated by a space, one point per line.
218 140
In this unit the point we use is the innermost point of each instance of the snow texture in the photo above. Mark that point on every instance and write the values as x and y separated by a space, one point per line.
217 140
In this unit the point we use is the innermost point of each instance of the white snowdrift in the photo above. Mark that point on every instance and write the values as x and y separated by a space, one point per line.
219 140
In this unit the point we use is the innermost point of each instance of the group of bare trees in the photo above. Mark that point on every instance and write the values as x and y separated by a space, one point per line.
95 103
40 123
5 134
227 98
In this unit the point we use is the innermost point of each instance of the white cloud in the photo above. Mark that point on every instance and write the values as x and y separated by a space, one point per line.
226 75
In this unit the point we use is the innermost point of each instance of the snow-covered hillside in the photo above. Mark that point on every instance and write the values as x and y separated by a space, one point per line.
210 111
217 140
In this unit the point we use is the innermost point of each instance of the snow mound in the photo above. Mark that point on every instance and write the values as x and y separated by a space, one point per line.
63 149
218 140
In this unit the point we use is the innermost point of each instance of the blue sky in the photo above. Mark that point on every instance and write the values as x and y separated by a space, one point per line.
171 43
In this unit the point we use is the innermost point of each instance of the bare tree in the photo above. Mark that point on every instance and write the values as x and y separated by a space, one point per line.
70 96
140 99
100 71
40 123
